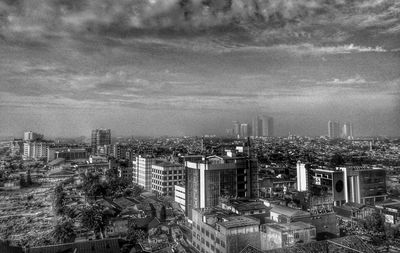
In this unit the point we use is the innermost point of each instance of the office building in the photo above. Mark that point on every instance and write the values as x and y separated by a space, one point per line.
281 235
333 129
101 141
214 177
364 185
142 166
164 176
32 136
180 196
218 230
263 126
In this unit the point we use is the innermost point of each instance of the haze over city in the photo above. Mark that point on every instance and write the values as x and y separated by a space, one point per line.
172 67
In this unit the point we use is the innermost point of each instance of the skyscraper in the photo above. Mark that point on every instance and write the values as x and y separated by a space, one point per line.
347 131
236 128
333 129
268 126
263 126
244 130
100 138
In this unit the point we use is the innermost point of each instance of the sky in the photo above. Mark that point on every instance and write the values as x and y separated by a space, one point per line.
191 67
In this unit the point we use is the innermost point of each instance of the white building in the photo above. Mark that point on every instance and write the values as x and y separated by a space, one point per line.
180 196
35 150
164 176
142 171
303 177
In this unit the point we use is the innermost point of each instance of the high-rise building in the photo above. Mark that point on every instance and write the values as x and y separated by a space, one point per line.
213 177
347 131
263 126
164 176
333 129
244 130
142 171
304 176
236 128
101 140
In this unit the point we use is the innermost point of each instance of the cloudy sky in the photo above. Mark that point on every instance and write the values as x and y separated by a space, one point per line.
190 67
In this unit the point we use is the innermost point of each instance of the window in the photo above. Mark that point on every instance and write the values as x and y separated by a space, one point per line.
207 244
212 237
202 240
223 244
217 240
207 233
296 236
202 230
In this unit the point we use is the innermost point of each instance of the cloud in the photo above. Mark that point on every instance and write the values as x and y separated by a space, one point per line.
353 80
252 23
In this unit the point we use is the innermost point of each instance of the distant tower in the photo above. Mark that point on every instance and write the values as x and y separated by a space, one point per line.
257 126
236 128
244 130
100 138
347 131
333 129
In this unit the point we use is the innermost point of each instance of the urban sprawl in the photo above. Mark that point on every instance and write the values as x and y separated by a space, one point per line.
247 191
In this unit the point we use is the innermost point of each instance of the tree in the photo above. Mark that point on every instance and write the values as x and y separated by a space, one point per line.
337 160
93 218
64 231
134 234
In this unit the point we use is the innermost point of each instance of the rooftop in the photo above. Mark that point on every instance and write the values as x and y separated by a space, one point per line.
290 226
287 211
238 221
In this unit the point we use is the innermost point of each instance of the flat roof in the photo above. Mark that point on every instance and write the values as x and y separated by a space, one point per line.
299 225
238 221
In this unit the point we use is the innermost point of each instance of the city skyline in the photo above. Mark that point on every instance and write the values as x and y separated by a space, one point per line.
154 67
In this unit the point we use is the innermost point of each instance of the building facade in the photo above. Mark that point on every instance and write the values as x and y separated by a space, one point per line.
67 153
217 231
142 171
164 176
180 196
214 177
279 235
35 150
364 185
